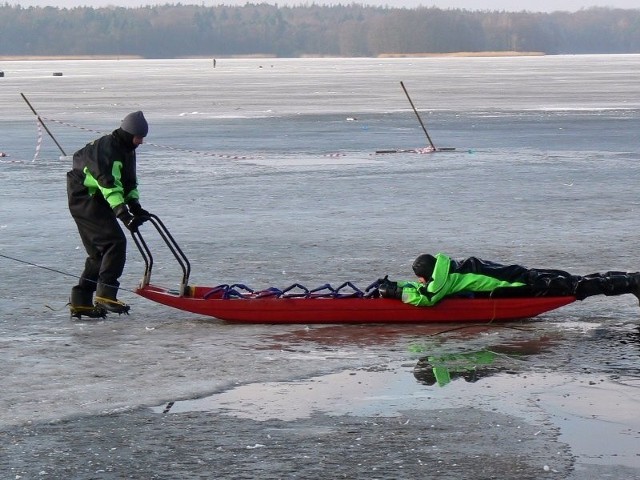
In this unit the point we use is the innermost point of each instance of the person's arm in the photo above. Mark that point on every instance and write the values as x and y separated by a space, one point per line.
413 293
417 293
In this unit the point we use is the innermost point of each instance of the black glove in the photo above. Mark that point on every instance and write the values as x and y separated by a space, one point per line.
389 289
136 209
129 221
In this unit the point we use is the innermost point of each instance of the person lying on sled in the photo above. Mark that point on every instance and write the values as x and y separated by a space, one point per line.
440 276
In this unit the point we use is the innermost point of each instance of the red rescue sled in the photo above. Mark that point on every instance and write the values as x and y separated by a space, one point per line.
335 306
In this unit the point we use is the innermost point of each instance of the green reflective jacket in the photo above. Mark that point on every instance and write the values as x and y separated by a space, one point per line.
446 281
444 365
109 168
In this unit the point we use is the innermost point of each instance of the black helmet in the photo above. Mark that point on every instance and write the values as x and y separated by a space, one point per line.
423 266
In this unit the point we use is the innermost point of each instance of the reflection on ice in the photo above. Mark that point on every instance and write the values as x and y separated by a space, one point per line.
441 369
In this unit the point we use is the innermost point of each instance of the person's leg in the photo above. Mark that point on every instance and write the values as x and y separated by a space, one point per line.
558 282
106 246
114 256
548 283
609 283
507 273
113 246
81 299
109 240
82 293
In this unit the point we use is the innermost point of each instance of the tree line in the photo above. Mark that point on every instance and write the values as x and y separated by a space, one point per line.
177 31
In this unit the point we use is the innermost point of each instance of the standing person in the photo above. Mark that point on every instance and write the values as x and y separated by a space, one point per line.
440 276
102 187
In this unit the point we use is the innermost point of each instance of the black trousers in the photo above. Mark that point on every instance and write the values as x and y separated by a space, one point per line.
102 237
549 282
557 282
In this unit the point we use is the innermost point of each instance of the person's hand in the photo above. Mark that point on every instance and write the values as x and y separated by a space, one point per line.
130 221
389 289
137 210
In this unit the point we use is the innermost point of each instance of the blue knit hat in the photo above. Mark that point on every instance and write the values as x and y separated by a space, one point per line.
135 124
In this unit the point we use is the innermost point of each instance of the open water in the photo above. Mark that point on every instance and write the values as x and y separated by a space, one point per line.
266 172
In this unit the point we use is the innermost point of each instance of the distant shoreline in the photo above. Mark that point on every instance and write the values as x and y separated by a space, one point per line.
465 54
16 58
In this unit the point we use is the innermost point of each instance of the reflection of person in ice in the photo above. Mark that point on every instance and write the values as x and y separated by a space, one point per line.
440 276
443 369
472 366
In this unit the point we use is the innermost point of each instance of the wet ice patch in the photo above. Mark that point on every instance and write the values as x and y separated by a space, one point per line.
596 417
587 413
385 392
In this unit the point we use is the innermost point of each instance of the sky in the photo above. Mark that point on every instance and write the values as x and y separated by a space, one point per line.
507 5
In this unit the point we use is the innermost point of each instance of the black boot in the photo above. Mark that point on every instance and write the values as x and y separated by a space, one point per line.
609 284
81 304
106 299
634 285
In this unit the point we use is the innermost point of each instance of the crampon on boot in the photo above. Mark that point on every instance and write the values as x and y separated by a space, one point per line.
106 297
112 306
80 304
93 311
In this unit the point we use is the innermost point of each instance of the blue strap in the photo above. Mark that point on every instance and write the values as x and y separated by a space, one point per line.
346 290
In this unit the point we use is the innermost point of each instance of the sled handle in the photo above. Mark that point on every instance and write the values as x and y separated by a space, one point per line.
177 252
